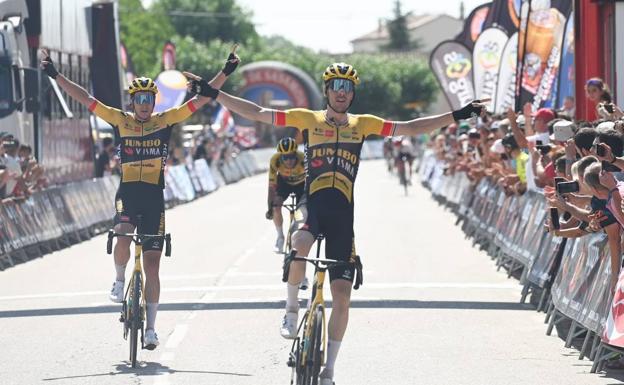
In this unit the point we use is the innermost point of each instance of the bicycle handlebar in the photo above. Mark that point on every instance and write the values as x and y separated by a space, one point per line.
137 238
358 279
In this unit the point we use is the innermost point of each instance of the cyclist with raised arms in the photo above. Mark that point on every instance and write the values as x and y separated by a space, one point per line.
286 176
333 139
142 138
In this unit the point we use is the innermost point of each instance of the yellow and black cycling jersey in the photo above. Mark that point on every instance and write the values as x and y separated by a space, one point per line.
292 176
332 153
143 146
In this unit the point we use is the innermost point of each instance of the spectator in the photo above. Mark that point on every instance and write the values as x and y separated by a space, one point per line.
517 182
569 108
103 164
15 183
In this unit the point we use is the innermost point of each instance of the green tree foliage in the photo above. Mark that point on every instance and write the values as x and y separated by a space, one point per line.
144 33
206 20
399 33
389 81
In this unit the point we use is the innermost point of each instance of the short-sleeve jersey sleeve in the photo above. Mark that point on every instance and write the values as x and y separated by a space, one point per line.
373 125
178 114
273 166
108 114
294 117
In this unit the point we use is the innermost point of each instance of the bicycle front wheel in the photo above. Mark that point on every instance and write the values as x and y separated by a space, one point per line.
135 318
315 348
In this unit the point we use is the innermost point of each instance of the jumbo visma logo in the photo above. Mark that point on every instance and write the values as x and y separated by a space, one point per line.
345 159
457 65
150 147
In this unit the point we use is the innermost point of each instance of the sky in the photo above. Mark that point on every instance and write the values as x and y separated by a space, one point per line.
330 25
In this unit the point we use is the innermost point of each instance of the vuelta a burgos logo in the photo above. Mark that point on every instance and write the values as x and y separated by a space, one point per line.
488 57
457 65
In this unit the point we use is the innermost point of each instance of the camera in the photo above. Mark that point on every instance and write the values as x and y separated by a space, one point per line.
545 149
567 187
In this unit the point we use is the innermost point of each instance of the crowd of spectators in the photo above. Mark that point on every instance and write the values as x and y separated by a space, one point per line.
20 174
576 164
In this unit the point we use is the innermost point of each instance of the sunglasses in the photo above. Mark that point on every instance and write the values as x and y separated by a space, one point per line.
144 98
289 157
341 84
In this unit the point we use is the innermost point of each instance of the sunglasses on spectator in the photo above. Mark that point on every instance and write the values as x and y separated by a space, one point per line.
341 84
144 98
288 157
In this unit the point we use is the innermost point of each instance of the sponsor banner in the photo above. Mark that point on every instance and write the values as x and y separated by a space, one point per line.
473 25
505 91
566 79
486 60
451 63
540 49
613 333
504 14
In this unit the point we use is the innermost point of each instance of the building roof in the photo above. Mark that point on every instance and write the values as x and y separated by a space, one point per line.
413 22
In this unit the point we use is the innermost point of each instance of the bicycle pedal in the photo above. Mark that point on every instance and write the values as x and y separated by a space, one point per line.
291 363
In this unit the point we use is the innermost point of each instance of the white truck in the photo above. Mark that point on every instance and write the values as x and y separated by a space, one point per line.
18 80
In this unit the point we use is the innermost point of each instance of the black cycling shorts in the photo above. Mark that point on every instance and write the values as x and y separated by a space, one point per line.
284 189
134 200
327 212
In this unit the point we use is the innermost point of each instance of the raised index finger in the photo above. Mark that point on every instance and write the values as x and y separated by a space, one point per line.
234 48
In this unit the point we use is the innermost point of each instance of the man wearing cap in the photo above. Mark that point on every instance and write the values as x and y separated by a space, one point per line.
541 118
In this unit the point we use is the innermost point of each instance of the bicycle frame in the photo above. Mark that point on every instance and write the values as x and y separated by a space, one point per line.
138 268
317 300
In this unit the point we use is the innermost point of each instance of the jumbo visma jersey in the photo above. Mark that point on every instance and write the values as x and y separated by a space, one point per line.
332 153
143 146
292 176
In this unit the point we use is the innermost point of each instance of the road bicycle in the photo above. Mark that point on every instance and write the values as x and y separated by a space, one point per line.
133 305
307 353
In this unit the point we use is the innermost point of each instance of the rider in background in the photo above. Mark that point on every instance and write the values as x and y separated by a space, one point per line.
406 152
286 176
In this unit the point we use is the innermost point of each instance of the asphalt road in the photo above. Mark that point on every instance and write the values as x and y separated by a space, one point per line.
432 310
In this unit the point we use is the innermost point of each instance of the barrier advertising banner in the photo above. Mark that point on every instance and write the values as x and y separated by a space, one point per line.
486 59
451 62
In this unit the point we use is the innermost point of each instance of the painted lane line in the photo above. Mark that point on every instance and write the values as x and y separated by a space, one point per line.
177 336
220 287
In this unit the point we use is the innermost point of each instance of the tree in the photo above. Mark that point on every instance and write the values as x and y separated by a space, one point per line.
143 32
398 31
206 20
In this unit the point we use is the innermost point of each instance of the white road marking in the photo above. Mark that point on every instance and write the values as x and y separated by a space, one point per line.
177 336
220 287
167 356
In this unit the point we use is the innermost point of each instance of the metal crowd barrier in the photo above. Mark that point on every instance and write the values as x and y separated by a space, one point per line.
569 276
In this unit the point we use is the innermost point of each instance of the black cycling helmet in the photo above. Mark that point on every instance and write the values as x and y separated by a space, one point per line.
286 145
